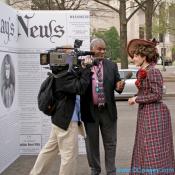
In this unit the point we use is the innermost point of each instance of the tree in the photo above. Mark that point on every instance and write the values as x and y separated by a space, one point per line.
164 23
121 10
171 18
149 8
20 4
51 4
160 22
58 4
164 20
171 25
111 37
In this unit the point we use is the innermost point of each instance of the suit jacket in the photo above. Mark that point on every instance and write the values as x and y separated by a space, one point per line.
110 77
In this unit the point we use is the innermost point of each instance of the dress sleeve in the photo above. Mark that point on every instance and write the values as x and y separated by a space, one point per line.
155 88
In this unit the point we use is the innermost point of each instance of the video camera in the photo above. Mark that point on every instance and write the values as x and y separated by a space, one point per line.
58 57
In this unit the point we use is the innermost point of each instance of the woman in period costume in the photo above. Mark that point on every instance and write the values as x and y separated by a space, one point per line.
153 148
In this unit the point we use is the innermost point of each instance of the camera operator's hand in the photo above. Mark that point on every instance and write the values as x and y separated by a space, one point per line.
86 62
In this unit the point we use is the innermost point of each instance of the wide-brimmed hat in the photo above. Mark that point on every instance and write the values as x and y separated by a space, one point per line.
135 42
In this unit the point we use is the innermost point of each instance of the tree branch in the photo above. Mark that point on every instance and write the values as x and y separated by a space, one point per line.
48 4
134 6
62 4
107 5
58 4
139 7
140 4
16 2
80 4
72 4
157 4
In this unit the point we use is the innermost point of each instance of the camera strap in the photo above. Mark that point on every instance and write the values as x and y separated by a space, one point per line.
58 75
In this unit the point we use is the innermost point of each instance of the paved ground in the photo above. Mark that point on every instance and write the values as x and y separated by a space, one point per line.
169 79
23 164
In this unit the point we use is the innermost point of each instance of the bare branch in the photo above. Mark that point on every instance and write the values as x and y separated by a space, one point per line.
78 5
139 7
58 4
107 5
72 4
157 4
140 4
48 4
131 7
83 3
62 4
16 2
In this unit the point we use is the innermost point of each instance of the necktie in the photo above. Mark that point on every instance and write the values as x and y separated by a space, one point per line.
99 87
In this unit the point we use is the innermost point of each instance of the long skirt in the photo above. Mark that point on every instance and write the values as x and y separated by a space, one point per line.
153 151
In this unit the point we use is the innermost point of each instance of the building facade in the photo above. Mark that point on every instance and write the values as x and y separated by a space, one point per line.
103 18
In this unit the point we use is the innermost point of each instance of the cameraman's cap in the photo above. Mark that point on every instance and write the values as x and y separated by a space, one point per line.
67 48
133 44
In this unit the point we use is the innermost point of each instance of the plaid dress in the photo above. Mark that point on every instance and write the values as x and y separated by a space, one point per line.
153 148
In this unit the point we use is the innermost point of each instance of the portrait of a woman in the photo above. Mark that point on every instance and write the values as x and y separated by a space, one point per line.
7 81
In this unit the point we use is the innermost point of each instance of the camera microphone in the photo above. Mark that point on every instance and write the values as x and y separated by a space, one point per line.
84 53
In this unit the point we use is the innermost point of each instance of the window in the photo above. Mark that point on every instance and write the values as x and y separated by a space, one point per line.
161 37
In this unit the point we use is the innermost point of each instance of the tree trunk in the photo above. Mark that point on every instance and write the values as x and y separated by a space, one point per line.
123 35
148 18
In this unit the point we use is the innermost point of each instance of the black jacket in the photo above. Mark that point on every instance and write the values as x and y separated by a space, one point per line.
110 77
65 90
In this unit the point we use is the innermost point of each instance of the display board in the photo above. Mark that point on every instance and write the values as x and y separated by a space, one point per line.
23 36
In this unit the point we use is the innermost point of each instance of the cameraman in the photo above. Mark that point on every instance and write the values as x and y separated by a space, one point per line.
64 132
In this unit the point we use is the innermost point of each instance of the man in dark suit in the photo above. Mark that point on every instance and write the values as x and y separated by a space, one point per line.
98 109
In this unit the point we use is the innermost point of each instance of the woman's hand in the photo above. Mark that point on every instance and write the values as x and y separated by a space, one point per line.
132 100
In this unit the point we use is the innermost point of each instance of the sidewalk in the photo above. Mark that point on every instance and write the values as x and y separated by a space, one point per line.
169 73
23 164
169 79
